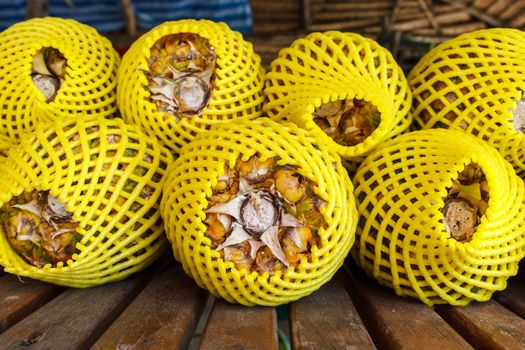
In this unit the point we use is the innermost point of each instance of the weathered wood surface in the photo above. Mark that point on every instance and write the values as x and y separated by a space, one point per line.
238 327
487 325
18 299
163 308
164 315
513 297
74 319
328 319
400 323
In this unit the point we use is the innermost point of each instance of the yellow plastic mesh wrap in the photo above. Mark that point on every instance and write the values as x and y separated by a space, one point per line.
237 88
5 144
331 66
401 238
90 81
190 182
110 177
472 83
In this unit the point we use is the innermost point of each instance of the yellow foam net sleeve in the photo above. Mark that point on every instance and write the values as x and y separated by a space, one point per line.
401 238
90 81
110 176
190 182
332 66
5 144
237 89
473 83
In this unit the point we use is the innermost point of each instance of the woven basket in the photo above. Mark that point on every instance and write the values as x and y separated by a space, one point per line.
237 90
89 86
472 83
329 66
88 163
190 182
401 238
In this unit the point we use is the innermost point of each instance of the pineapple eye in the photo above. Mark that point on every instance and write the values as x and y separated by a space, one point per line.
348 122
466 202
48 71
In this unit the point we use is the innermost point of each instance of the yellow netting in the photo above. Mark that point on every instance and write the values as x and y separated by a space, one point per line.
401 238
89 86
5 144
237 89
473 83
110 176
330 66
190 182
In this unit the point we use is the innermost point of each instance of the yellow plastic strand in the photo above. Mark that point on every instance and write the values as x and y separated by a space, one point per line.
5 144
110 176
402 240
237 88
332 66
472 83
90 81
190 182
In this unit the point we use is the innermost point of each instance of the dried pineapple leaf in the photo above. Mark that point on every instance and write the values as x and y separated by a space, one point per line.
232 208
57 207
225 220
288 220
39 64
238 235
33 207
244 186
254 247
269 237
167 90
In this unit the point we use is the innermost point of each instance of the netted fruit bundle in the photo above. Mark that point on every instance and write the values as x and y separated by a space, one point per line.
442 217
183 76
259 213
343 86
79 202
53 67
476 83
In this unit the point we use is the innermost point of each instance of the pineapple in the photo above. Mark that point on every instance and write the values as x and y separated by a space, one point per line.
39 228
348 122
265 222
181 74
465 203
48 71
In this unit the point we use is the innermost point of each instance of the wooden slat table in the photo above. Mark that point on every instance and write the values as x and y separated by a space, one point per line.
161 308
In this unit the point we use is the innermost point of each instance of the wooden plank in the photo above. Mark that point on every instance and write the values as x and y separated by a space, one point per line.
328 319
36 8
513 297
74 319
164 315
19 298
400 323
486 325
239 327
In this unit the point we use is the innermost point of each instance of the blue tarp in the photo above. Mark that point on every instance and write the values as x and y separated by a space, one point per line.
107 15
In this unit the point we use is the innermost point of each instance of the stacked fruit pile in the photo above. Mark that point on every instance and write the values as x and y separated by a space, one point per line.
187 141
